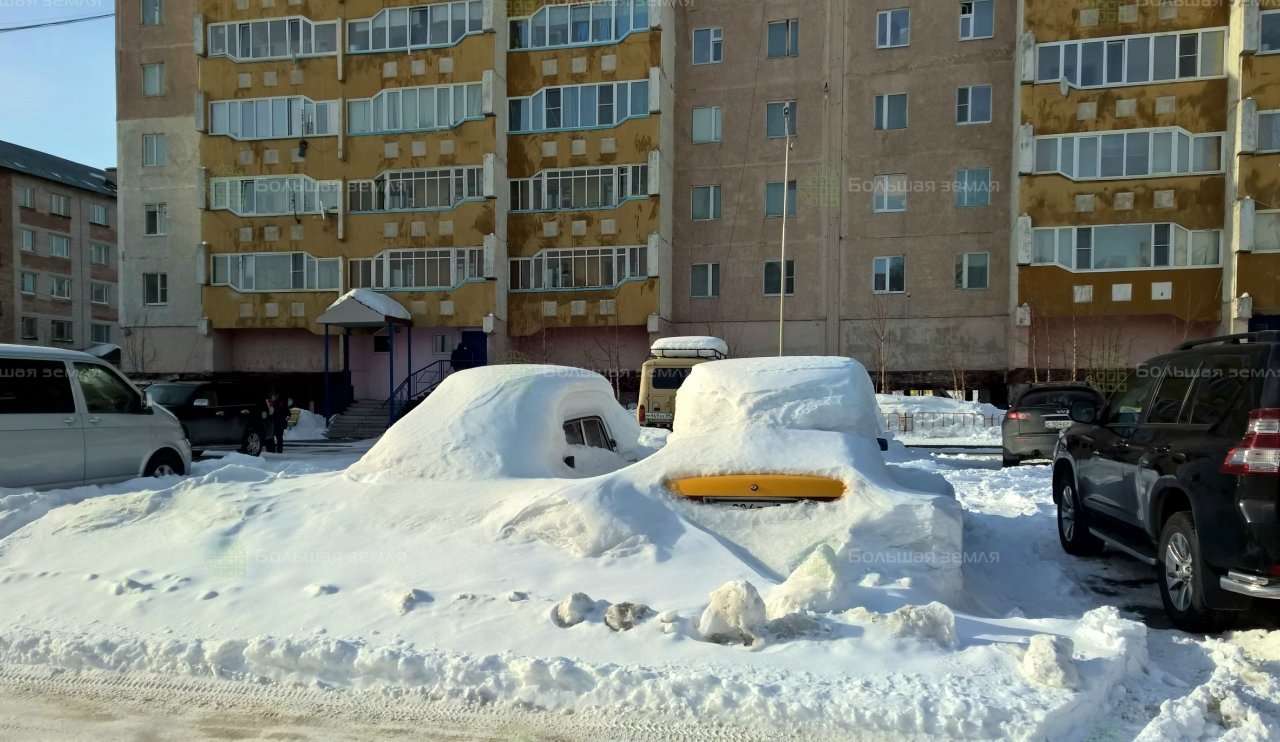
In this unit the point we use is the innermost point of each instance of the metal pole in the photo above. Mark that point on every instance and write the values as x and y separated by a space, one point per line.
325 408
782 267
408 362
391 374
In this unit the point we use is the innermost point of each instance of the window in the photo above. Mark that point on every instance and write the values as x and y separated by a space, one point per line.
574 107
1269 129
27 240
155 288
772 279
35 387
706 124
275 195
59 246
30 331
572 189
28 283
441 345
99 333
972 270
889 275
1133 60
579 268
1266 231
977 20
105 393
153 79
704 280
1224 391
579 24
708 45
409 190
156 219
973 104
780 119
59 204
27 197
276 271
588 431
891 111
155 150
432 108
99 254
151 12
100 293
1270 40
889 194
1131 154
61 332
278 38
1126 247
973 187
706 203
893 28
99 214
59 287
773 199
784 38
1127 403
435 25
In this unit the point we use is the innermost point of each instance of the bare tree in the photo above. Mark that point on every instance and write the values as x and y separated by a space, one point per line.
953 345
139 354
880 335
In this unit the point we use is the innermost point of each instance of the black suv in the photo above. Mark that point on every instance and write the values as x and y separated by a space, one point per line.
1179 468
214 414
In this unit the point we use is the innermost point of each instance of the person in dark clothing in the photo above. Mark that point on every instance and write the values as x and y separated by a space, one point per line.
461 357
279 421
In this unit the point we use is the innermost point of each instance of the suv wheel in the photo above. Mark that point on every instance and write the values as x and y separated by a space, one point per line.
1073 526
252 443
1007 460
1181 574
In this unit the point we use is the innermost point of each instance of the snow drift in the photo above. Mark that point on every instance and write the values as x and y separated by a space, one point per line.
498 422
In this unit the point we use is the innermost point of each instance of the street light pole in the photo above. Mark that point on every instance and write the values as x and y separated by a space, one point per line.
782 266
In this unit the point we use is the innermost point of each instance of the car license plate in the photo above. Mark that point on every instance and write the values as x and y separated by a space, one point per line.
1057 424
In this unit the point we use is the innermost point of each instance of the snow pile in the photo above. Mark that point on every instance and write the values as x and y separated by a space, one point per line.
933 623
497 422
734 615
816 585
310 427
940 419
803 393
689 346
1048 661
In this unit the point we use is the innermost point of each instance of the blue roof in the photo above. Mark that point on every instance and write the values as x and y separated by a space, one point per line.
44 165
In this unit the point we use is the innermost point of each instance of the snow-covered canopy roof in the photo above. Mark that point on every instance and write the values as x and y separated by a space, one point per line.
692 346
796 392
364 308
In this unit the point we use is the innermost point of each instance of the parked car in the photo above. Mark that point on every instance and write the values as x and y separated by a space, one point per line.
661 376
68 418
1179 469
214 413
1031 427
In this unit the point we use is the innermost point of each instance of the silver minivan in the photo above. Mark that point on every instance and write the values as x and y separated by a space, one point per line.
68 418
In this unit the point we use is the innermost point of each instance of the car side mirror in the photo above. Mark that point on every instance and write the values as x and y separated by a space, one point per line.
202 402
568 461
883 443
1084 412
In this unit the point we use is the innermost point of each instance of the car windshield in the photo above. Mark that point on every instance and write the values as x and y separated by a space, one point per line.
170 394
665 377
1057 398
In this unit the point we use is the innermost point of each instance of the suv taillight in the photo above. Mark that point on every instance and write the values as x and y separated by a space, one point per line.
640 414
1259 451
1015 415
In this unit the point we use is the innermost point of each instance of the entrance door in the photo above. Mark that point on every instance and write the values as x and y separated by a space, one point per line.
1259 323
478 343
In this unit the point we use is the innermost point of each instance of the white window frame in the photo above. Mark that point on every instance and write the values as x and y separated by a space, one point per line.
1273 15
302 38
1058 147
155 150
29 283
148 91
884 28
787 277
711 287
99 292
161 211
59 246
790 198
161 285
27 197
59 205
239 271
881 187
792 49
789 118
459 20
27 240
94 335
1259 246
880 110
34 332
99 214
1273 112
538 105
99 253
286 117
572 269
962 262
1057 52
715 45
716 123
391 109
154 18
240 195
714 202
971 16
967 105
1179 240
57 337
883 265
965 188
60 287
623 18
545 191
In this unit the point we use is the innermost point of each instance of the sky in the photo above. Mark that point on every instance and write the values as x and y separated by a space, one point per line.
59 83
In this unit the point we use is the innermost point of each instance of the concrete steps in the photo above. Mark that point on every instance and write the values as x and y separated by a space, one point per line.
366 418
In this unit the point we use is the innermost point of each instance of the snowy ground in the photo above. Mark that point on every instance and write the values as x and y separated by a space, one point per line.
283 576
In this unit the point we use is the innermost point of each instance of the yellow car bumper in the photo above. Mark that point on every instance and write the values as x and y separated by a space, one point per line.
759 488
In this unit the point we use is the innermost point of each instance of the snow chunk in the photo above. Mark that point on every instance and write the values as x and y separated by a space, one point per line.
1047 661
380 303
410 599
931 623
497 422
1104 631
815 585
316 591
735 615
624 616
573 610
796 392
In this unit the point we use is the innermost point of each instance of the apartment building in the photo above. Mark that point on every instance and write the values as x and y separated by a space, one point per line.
163 325
1144 176
58 261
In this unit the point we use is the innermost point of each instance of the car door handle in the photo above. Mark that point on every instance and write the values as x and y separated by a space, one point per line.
244 412
94 420
221 413
1177 458
69 420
